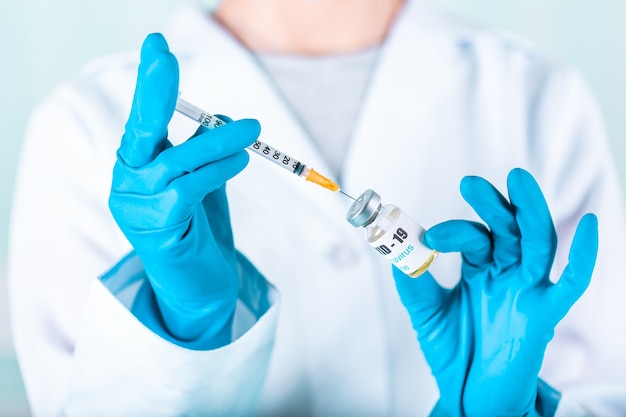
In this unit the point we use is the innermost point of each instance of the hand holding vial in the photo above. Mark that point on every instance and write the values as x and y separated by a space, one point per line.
485 339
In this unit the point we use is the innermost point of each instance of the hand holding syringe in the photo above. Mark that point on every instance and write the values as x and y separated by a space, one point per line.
294 166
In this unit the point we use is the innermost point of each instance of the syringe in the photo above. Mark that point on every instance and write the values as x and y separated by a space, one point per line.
294 166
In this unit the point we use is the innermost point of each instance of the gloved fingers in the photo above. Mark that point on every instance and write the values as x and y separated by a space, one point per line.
497 212
581 262
423 297
205 148
175 203
470 238
154 102
201 149
538 236
191 188
215 206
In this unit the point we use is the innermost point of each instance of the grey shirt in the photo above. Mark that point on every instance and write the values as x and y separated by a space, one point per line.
325 94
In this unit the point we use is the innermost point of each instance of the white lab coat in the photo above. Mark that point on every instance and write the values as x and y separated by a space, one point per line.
446 100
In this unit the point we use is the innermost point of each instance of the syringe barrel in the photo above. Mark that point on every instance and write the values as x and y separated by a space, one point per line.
276 156
268 152
205 119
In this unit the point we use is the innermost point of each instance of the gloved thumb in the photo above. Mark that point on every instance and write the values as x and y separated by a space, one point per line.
582 258
469 238
154 102
423 297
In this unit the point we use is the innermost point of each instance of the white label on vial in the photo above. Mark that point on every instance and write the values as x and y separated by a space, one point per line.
402 245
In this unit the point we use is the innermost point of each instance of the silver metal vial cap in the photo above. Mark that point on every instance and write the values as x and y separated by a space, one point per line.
364 209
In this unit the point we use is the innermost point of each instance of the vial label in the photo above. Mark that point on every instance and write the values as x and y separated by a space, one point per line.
403 246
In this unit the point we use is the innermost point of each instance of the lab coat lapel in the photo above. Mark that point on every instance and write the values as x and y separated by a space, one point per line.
417 69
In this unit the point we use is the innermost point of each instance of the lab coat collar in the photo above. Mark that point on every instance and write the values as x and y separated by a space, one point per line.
418 65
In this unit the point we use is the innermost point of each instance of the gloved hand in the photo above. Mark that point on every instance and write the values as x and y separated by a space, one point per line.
485 339
170 203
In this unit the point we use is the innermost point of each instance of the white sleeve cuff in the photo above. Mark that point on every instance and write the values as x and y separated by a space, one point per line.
123 368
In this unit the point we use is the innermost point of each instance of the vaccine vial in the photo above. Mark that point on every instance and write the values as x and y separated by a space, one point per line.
392 233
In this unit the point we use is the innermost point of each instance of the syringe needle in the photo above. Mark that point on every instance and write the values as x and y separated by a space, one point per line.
347 195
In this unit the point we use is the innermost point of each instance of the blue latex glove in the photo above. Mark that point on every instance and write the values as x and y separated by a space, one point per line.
485 339
170 203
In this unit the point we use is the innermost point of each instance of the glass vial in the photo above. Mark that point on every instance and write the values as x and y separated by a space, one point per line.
392 233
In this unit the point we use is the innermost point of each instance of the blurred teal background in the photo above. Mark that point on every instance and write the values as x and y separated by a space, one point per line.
45 42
